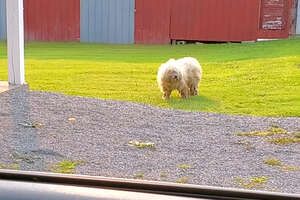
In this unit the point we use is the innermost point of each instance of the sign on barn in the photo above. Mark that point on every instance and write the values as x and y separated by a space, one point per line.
275 18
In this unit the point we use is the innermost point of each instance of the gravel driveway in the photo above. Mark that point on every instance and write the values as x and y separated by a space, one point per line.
99 134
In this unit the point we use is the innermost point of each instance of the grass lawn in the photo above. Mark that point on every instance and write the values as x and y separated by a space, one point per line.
261 79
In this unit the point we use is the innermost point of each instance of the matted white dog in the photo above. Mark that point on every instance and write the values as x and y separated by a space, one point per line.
183 75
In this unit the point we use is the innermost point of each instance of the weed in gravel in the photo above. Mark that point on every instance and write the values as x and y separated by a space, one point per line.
261 179
252 183
296 135
284 140
255 133
66 166
185 166
246 144
289 168
278 130
238 179
183 180
273 162
274 130
19 158
142 144
275 125
164 175
139 175
249 147
15 166
277 163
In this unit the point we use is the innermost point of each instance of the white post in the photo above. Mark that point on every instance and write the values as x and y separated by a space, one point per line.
15 41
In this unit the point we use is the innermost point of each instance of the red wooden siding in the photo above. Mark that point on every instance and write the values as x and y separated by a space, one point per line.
152 22
215 20
158 21
52 20
275 18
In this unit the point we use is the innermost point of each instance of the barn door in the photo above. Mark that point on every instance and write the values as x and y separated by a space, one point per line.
107 21
152 21
275 18
214 20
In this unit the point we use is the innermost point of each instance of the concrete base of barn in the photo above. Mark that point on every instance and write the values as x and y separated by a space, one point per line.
5 86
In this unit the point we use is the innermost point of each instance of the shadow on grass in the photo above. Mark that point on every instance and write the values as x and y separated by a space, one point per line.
197 103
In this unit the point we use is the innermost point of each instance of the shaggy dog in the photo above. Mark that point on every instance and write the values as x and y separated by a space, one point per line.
183 75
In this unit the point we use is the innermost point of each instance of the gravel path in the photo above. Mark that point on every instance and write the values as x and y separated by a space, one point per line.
100 136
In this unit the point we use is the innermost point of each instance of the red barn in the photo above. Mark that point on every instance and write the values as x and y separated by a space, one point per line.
159 22
156 21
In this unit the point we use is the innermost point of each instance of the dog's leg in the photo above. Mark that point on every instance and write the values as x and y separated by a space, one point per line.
184 91
166 94
194 89
195 92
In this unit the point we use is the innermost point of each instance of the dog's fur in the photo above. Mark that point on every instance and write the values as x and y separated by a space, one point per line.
183 75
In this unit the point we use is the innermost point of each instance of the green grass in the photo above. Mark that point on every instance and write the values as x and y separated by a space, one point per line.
260 79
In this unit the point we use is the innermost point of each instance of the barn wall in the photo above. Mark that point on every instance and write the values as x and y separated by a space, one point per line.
107 21
215 20
158 22
2 20
52 20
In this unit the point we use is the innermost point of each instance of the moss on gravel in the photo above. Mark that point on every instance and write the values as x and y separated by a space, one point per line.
281 136
277 163
183 180
272 161
4 166
284 140
142 144
66 166
139 175
185 166
270 132
251 183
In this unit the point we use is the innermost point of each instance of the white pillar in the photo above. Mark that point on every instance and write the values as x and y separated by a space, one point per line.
15 41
